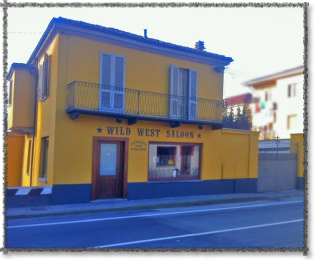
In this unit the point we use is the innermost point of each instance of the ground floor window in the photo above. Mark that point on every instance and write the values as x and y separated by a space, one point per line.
44 157
174 161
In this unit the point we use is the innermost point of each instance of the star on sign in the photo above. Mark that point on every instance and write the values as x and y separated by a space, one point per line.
99 130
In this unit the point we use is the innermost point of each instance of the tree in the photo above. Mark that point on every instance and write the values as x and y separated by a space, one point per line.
240 120
228 117
246 117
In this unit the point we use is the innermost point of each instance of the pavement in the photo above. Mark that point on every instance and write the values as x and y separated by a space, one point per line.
125 205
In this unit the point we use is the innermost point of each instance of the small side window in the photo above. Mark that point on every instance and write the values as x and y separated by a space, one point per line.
28 169
44 157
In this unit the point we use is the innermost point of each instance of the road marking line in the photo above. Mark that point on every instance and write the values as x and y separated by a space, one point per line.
200 234
154 215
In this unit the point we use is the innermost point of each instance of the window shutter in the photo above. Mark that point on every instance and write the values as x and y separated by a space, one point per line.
105 81
193 94
174 92
45 78
105 69
40 82
118 94
48 74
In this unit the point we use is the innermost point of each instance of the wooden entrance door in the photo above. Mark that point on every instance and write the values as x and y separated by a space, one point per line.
108 176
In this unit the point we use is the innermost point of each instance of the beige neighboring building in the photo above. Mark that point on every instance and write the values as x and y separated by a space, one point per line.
277 107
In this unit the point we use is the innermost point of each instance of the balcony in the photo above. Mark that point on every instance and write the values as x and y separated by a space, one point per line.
134 105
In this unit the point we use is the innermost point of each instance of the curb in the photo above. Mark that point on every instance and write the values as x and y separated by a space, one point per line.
154 206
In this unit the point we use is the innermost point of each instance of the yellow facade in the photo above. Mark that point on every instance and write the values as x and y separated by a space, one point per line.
236 158
297 146
144 71
14 160
21 111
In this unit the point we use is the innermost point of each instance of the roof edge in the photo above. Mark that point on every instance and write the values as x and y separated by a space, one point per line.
19 66
277 75
57 25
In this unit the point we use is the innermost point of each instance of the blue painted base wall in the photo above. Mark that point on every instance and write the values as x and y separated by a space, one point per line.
71 193
300 183
28 201
152 190
82 193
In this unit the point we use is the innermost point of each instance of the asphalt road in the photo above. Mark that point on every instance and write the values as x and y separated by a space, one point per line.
266 224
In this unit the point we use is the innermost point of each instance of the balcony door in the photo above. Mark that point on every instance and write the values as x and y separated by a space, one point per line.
183 93
112 83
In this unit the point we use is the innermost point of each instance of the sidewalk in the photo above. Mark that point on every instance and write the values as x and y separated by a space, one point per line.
122 204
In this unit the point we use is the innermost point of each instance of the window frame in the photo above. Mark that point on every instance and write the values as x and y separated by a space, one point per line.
28 165
44 78
44 164
288 122
292 90
181 144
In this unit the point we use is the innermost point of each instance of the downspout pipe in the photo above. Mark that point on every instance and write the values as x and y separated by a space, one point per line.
35 73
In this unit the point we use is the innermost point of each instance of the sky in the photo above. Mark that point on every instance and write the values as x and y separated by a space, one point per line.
260 40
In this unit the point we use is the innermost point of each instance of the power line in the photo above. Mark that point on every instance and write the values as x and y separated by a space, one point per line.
26 32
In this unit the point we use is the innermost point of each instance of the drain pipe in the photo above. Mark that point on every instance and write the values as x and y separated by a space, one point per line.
35 73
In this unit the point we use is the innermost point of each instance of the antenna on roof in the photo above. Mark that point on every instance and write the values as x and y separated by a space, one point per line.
145 33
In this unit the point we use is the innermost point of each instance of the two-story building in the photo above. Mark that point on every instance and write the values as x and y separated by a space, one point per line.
277 107
109 114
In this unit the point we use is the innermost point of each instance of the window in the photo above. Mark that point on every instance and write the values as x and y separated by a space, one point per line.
267 95
275 106
44 78
256 100
292 122
275 117
28 169
183 93
112 80
165 156
292 90
44 158
168 161
10 93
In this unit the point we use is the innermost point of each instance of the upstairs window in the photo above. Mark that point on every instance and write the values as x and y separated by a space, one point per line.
292 90
183 93
267 95
44 78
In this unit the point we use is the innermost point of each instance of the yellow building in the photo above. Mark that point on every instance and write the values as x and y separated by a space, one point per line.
109 114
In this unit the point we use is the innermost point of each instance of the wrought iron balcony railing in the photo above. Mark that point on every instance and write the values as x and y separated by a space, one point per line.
91 98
